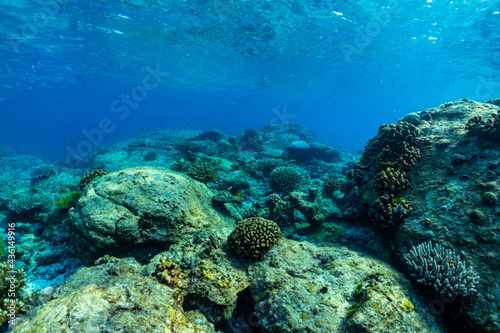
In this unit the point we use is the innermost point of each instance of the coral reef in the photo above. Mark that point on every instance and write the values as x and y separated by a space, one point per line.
254 236
442 269
284 179
90 176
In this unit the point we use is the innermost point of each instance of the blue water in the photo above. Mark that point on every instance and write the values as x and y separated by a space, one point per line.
341 68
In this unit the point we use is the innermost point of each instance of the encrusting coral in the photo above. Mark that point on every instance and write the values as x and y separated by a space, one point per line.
442 269
254 236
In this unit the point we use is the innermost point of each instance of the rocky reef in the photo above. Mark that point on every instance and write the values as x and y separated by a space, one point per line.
264 231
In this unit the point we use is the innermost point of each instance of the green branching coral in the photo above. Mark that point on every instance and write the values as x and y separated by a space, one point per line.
69 200
254 236
390 181
12 292
284 179
203 171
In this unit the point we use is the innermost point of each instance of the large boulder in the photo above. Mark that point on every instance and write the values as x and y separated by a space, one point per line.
141 211
452 196
113 297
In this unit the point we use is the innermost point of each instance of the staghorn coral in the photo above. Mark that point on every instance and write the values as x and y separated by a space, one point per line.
254 236
69 200
284 179
90 176
441 268
389 211
390 181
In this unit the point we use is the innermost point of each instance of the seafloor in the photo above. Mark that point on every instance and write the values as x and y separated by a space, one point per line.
264 231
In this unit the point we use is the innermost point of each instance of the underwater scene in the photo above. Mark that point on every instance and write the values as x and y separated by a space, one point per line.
250 166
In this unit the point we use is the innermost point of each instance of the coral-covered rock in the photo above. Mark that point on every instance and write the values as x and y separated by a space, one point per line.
299 287
113 297
141 210
453 200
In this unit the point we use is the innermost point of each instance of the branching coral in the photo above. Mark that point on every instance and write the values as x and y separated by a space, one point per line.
69 200
441 268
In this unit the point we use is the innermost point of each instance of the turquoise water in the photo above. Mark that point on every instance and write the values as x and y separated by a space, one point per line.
341 68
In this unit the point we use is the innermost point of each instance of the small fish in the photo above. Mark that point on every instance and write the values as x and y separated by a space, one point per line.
358 161
229 188
208 148
173 149
63 187
430 147
53 204
238 195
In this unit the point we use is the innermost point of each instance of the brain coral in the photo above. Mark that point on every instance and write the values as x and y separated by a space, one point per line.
254 236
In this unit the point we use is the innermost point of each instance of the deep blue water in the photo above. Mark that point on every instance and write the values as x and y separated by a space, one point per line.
341 68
